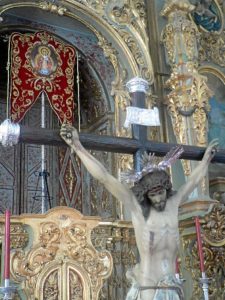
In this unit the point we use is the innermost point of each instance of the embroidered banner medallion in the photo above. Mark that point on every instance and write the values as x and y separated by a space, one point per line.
41 63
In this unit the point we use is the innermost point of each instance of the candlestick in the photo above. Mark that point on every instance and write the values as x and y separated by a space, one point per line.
7 290
205 286
177 266
199 243
177 271
7 248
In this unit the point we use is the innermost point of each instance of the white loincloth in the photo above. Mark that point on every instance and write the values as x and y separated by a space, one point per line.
167 294
160 294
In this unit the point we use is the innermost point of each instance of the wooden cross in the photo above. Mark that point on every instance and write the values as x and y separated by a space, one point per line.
136 145
113 144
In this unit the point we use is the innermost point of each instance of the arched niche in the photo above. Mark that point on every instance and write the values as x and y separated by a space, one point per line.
118 29
112 38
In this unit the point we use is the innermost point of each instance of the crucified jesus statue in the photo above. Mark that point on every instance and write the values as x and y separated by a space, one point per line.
154 213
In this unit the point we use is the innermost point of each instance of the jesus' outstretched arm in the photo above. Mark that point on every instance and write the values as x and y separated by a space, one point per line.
197 174
97 170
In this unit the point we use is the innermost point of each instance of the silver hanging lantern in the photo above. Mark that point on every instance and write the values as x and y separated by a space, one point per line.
9 133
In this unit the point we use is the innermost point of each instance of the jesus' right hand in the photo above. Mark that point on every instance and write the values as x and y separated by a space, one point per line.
69 134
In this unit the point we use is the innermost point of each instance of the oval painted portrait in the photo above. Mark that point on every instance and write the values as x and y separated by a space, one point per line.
44 60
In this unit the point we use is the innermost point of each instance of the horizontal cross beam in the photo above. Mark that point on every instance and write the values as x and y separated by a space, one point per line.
112 144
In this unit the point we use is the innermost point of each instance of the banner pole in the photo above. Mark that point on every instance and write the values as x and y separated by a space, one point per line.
78 91
42 154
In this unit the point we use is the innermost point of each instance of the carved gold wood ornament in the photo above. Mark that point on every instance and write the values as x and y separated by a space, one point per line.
188 100
61 262
121 30
213 238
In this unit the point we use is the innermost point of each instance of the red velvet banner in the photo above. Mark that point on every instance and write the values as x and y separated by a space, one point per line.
40 63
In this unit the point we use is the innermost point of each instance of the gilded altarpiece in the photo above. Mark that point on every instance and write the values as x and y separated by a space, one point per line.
119 239
59 261
193 49
120 29
212 226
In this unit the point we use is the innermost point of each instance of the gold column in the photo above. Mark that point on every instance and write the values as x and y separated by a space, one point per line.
188 106
188 100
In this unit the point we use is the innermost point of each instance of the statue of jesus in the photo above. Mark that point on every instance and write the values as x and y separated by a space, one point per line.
154 213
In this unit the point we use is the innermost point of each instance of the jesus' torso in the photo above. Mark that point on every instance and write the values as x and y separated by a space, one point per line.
157 240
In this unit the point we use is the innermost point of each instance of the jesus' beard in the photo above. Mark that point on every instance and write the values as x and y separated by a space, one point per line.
146 206
159 206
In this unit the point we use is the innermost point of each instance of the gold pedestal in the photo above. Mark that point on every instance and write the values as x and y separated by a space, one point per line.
54 257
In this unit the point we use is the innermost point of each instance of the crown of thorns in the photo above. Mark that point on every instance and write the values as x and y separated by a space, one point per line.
151 163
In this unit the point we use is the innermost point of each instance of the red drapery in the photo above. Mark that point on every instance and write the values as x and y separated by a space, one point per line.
41 63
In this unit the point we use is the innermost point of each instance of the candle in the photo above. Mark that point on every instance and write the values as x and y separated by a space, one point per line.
7 247
177 271
199 243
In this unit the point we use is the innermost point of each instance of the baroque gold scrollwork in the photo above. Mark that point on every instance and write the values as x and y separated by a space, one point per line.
213 237
135 36
18 235
192 105
114 15
76 288
53 8
51 288
214 227
63 244
125 162
109 52
32 263
188 100
201 94
119 239
212 48
194 102
134 47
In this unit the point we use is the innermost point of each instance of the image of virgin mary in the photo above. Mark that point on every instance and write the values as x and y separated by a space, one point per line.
42 62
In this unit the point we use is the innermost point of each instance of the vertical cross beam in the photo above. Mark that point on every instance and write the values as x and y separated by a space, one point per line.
137 88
